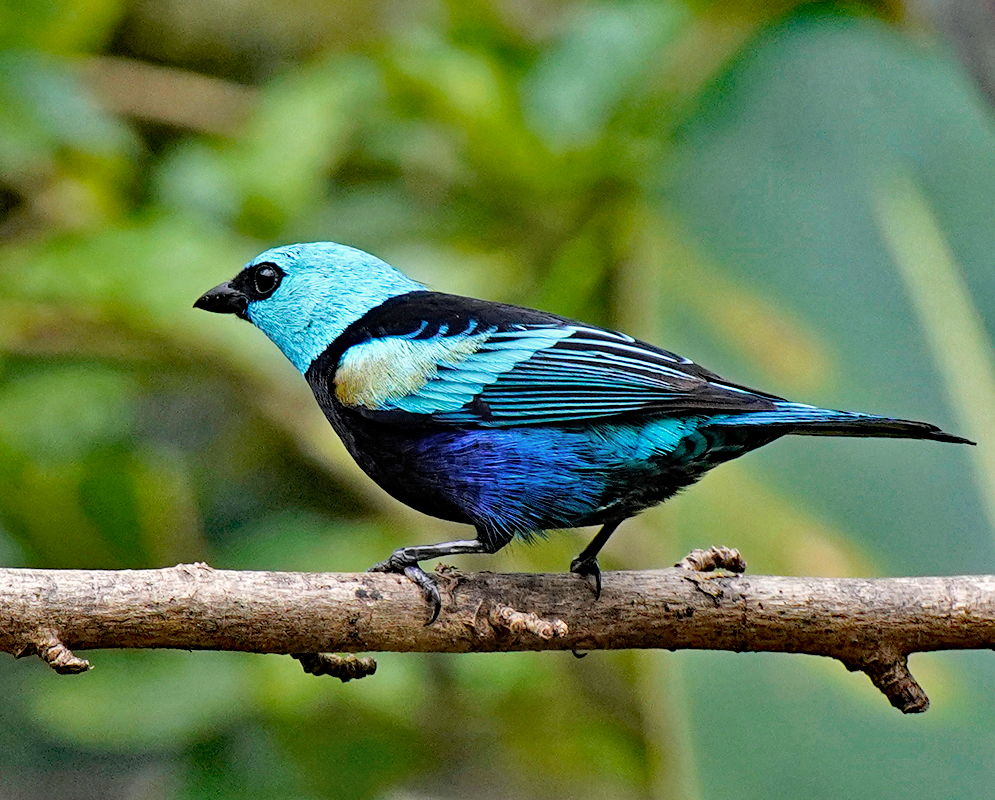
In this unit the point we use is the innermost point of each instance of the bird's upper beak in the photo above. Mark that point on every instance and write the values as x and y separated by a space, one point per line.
223 299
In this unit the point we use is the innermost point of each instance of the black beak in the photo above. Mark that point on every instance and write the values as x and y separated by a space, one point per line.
223 299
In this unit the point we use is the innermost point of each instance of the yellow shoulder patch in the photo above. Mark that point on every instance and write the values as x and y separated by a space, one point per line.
372 374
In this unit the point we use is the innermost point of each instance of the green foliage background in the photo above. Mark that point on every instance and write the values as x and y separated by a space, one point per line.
797 195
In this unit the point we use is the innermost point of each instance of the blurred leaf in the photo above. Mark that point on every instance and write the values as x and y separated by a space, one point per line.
466 84
303 542
43 107
196 179
576 275
81 491
143 274
606 50
283 162
245 763
781 536
62 26
142 699
962 348
60 414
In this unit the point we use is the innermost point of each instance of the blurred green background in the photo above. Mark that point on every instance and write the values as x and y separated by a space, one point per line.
799 196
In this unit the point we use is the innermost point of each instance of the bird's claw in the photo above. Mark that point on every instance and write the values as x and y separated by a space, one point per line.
416 575
429 587
588 567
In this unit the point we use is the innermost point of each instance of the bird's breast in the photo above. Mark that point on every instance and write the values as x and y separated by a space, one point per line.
520 481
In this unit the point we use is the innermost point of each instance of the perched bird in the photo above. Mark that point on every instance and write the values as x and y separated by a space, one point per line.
505 418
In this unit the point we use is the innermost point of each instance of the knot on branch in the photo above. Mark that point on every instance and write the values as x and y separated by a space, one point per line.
715 557
890 674
517 622
345 668
197 569
50 648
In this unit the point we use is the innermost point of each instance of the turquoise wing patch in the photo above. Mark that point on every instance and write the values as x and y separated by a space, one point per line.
436 375
529 375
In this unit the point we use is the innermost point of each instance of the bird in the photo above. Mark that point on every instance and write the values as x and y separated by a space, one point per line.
513 420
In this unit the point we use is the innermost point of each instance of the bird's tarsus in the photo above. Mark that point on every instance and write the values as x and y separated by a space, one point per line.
588 567
586 564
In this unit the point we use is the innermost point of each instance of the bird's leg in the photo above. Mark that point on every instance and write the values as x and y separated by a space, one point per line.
587 562
405 559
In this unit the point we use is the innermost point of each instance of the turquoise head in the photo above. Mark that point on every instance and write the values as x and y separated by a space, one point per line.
303 296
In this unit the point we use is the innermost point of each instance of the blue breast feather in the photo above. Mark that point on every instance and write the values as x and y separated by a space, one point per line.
521 481
550 477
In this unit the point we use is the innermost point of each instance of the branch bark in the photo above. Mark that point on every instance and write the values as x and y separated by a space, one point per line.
870 625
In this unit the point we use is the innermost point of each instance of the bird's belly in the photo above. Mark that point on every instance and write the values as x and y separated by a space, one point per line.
519 481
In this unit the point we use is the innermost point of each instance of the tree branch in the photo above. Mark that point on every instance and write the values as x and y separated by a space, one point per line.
871 625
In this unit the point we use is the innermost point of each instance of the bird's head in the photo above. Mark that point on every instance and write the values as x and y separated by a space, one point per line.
303 296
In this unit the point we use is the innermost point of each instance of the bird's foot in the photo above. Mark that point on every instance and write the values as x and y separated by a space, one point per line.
588 567
398 563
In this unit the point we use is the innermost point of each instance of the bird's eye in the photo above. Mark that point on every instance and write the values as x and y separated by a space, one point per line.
265 278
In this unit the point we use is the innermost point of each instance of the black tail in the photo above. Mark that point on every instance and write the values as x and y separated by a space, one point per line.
879 426
811 421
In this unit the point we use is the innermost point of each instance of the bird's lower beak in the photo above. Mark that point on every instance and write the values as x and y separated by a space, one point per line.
223 299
